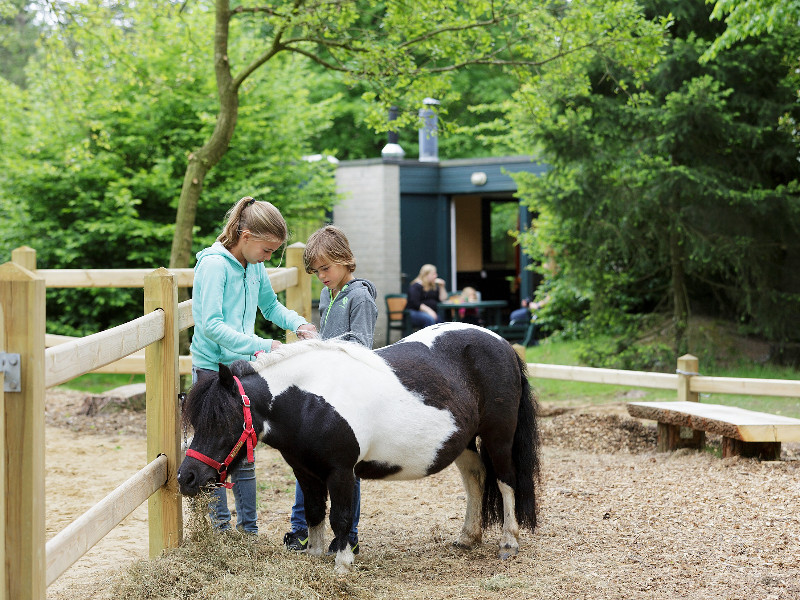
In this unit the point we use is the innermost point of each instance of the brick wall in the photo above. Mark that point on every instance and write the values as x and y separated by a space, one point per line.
369 213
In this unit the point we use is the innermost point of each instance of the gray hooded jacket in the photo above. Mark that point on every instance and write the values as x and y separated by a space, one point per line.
352 315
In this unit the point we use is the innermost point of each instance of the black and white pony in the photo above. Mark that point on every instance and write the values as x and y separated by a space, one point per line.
336 411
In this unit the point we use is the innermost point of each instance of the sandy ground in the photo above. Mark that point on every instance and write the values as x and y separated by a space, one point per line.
617 520
111 459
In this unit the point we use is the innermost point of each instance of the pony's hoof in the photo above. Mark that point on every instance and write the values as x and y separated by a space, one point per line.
342 569
507 552
462 545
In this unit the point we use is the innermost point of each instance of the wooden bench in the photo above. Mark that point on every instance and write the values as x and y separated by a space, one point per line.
522 332
744 432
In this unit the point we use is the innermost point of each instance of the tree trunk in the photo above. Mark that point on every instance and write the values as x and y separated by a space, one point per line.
680 309
204 159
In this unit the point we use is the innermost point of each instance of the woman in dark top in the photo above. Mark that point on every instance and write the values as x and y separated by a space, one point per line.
424 295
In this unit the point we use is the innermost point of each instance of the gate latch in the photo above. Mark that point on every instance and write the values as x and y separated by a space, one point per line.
10 366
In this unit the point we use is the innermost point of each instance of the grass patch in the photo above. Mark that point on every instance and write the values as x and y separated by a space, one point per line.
95 383
570 393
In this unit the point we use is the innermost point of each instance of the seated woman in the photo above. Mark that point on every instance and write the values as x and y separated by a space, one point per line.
522 314
525 313
424 295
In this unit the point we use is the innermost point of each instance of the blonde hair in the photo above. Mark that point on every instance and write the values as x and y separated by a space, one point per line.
468 291
423 271
328 243
260 218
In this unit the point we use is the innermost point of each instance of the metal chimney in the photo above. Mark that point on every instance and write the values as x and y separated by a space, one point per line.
392 149
428 134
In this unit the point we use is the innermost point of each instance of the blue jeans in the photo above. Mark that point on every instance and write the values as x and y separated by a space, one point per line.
244 489
521 315
421 319
244 493
298 519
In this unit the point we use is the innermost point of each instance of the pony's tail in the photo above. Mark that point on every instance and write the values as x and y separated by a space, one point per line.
525 454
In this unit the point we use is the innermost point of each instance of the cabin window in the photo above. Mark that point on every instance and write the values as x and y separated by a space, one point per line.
499 251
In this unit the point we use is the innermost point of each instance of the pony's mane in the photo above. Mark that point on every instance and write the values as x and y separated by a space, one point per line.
204 410
353 349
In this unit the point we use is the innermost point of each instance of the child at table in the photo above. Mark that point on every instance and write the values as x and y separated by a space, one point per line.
469 315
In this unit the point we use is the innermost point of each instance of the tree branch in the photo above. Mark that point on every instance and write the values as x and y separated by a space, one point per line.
319 60
277 46
432 34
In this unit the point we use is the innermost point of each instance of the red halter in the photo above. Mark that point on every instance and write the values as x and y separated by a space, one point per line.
248 436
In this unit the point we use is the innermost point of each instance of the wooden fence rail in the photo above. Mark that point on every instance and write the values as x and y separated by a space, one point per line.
786 388
663 381
67 361
134 278
78 537
27 564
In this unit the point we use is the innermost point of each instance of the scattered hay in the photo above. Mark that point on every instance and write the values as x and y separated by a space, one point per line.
233 566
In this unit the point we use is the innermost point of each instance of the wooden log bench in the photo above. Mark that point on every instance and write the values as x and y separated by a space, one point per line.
744 432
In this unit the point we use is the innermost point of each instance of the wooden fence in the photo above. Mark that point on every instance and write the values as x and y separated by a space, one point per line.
28 564
686 380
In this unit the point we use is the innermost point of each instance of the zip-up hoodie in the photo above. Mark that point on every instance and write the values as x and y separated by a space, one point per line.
352 315
225 297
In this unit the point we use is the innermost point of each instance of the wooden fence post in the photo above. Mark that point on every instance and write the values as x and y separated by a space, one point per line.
3 584
25 257
22 297
672 437
298 297
688 367
165 516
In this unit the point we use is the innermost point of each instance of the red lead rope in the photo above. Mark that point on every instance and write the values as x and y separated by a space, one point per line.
248 436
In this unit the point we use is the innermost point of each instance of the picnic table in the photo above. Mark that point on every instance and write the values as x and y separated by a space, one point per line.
449 310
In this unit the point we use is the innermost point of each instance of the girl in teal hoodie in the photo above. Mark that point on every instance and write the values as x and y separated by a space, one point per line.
230 284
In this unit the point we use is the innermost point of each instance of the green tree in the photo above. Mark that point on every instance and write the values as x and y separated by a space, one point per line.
97 143
682 196
18 34
132 98
751 18
402 50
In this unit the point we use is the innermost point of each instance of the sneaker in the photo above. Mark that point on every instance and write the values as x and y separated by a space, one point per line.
296 541
353 546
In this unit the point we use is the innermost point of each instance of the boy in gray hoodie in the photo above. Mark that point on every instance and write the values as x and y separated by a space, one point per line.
347 311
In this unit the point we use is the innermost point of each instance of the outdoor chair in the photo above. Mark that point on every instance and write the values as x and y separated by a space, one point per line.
396 316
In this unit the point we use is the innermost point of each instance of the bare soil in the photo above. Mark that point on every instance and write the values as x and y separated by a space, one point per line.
617 521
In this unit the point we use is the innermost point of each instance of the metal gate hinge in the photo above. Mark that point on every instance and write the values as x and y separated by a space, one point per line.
10 366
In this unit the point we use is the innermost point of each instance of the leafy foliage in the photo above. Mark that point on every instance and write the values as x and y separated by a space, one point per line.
680 196
97 145
18 35
131 105
751 18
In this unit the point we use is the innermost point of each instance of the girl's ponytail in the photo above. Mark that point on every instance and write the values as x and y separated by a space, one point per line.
260 218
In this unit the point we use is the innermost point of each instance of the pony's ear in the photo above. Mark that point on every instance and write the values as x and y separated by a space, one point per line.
226 377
